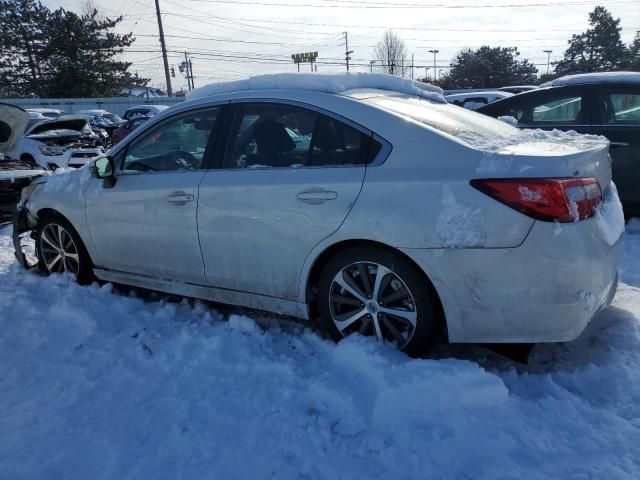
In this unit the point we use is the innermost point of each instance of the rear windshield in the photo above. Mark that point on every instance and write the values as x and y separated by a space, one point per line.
473 128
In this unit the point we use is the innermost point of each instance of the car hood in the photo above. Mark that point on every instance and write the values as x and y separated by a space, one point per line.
13 121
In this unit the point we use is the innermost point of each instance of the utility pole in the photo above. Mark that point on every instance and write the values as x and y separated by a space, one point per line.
193 85
548 52
164 50
412 66
347 52
435 72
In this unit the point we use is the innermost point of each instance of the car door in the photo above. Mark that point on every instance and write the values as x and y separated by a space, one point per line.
618 119
146 222
286 180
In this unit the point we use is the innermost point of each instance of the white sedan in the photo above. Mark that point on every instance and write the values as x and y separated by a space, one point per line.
363 202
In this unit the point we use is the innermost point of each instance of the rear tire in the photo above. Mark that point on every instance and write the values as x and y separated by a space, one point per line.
378 293
60 250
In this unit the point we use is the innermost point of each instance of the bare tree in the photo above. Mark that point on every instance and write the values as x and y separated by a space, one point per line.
391 53
89 8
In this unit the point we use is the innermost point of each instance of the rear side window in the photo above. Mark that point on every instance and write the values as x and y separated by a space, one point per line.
267 135
620 108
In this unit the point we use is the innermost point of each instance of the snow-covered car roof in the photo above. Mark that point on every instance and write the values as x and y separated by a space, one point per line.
601 77
96 112
487 94
157 108
344 84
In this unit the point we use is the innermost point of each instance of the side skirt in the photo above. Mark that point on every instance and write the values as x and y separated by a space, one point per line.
219 295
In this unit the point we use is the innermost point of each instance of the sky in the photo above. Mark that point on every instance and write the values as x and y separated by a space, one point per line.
230 39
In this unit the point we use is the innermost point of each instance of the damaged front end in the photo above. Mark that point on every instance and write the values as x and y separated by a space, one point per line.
23 239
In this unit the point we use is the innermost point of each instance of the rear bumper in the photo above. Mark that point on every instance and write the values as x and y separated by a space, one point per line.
546 290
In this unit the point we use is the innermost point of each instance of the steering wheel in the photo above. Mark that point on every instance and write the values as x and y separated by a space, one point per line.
182 159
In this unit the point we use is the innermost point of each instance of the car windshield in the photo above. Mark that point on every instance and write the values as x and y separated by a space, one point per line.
113 118
451 119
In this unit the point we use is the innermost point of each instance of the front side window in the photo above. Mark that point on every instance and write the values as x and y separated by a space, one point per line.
621 108
273 135
176 144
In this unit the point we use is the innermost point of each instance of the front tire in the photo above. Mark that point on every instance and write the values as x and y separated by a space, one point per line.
60 250
378 293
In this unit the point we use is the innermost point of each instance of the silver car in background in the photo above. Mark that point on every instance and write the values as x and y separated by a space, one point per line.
367 210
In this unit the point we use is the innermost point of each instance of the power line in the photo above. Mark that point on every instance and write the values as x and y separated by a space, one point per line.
391 5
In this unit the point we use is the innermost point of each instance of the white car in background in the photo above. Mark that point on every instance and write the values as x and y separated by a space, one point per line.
474 100
363 202
67 141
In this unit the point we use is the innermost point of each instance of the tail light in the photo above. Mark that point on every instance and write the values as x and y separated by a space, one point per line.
547 199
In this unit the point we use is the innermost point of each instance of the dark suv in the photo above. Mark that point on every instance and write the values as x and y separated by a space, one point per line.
602 103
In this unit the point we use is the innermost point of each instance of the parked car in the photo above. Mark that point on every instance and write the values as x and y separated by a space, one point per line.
101 119
35 117
475 100
144 111
518 88
128 127
370 210
47 112
14 175
65 142
605 104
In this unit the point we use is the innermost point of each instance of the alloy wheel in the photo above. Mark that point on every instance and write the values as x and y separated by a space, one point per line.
370 299
59 251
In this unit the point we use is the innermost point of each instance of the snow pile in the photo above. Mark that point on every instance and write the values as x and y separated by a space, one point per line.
601 77
509 120
99 385
609 216
557 140
459 225
329 83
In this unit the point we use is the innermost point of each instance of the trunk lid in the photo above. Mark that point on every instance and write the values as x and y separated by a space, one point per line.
557 158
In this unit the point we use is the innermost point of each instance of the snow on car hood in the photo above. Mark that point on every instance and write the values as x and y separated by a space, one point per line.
329 83
13 121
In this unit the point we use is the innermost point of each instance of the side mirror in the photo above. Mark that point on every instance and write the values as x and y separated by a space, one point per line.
103 168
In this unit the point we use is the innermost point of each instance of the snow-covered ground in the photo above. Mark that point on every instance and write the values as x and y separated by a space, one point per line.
98 385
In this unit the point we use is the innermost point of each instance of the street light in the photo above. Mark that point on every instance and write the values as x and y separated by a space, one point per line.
371 62
548 52
435 72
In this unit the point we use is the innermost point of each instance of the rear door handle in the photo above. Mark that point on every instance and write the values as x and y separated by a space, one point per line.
618 144
315 196
180 198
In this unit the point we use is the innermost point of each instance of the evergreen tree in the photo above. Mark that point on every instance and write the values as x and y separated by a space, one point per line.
488 67
634 54
61 53
83 56
598 49
22 44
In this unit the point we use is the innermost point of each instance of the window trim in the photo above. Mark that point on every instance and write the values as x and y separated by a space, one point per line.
223 145
208 153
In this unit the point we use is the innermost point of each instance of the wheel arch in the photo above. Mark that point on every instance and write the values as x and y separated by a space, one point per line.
313 275
52 212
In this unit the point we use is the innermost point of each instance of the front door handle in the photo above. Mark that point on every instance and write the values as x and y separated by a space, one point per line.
180 198
618 144
315 196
